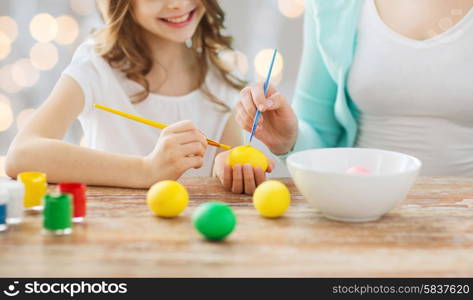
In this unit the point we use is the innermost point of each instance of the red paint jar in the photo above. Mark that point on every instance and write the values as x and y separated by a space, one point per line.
79 199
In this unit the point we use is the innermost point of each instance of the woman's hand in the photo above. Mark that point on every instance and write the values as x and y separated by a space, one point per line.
180 147
241 178
277 126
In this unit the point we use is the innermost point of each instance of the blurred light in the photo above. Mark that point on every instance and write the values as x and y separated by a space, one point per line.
9 27
83 7
68 30
6 83
44 28
291 8
262 62
235 60
24 117
275 80
24 73
2 166
44 56
6 114
83 142
5 45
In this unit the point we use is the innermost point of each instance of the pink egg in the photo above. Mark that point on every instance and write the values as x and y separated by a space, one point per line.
357 170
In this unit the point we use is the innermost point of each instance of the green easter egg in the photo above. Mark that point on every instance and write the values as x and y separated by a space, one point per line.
214 220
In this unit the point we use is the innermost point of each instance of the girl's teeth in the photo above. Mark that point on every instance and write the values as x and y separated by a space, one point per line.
178 20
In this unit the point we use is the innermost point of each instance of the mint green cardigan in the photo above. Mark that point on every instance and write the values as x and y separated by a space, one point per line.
327 116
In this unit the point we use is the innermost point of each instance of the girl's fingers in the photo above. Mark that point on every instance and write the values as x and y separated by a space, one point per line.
185 132
181 126
194 148
227 177
194 162
237 179
248 179
187 137
259 175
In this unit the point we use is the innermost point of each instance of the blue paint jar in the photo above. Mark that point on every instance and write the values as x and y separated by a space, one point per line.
3 209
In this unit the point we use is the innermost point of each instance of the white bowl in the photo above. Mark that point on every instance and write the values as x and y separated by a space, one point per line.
321 176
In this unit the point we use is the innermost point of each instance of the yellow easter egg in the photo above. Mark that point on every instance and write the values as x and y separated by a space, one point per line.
271 199
248 155
167 198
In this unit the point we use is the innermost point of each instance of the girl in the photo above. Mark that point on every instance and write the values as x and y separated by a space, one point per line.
395 75
154 58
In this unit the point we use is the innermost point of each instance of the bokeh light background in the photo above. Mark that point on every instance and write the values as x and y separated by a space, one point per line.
39 37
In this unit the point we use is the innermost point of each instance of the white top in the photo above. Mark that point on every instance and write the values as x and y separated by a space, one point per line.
105 85
416 97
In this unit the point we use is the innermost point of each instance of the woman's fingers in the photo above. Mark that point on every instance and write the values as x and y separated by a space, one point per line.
257 94
249 179
242 178
243 120
237 179
227 177
259 176
276 101
271 90
248 105
271 165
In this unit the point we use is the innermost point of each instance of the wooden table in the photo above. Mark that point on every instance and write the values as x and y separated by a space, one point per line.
431 234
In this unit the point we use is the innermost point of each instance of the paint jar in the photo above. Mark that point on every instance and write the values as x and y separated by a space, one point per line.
3 209
36 187
16 191
57 214
79 199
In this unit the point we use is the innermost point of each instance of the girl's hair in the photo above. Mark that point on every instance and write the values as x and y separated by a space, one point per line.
123 47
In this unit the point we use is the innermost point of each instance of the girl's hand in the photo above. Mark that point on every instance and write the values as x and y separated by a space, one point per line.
180 147
277 126
241 178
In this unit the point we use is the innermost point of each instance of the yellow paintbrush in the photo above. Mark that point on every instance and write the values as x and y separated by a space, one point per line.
152 123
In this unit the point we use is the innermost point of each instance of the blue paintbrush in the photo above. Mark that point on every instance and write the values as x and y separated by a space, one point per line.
266 85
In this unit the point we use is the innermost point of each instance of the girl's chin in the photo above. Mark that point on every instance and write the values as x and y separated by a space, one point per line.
173 37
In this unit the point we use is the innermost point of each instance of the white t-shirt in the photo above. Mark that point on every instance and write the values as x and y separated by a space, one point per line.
105 85
414 96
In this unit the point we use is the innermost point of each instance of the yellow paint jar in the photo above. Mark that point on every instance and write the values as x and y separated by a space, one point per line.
36 186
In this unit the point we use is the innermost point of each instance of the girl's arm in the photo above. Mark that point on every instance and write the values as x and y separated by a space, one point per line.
39 147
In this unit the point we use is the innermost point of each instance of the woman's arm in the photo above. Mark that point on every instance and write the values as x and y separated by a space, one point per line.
39 147
315 94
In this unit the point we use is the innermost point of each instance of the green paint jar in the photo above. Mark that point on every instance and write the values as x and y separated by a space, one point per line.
57 214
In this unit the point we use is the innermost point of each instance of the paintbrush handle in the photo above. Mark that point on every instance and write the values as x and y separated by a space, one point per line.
151 123
265 87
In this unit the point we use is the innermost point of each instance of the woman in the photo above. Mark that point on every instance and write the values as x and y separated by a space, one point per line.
395 75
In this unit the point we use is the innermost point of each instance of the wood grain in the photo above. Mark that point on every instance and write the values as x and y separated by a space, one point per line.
429 235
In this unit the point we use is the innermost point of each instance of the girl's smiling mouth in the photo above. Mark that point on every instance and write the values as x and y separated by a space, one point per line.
179 21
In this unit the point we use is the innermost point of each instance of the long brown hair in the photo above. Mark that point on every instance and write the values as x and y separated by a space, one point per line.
122 45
